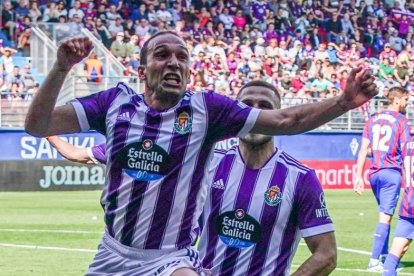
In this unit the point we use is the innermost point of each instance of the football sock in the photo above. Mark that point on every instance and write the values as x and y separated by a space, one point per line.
390 265
380 237
385 247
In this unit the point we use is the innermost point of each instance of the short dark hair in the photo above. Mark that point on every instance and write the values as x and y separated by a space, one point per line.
144 50
260 83
396 92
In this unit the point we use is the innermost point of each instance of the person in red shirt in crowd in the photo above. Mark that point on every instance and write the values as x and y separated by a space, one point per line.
389 54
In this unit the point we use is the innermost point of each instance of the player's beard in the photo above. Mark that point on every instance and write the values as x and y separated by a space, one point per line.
403 109
256 139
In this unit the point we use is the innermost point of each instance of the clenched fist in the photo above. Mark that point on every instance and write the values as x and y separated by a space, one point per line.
73 50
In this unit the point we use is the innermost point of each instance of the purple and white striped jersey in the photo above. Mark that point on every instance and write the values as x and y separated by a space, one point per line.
253 220
97 153
156 160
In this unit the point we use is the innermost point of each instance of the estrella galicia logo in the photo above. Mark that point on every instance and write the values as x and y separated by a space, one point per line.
183 123
273 196
144 160
238 229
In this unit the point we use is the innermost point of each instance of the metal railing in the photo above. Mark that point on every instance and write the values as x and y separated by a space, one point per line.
44 41
12 113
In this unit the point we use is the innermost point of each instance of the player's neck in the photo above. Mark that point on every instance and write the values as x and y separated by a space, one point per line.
158 102
256 156
393 108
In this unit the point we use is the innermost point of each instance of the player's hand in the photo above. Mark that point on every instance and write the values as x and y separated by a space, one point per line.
73 50
360 88
359 185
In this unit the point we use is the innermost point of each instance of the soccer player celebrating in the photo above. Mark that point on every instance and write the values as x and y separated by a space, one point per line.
89 155
260 202
384 135
158 144
404 231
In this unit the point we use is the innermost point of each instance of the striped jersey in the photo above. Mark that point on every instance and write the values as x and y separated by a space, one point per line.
97 153
253 220
407 202
156 160
387 132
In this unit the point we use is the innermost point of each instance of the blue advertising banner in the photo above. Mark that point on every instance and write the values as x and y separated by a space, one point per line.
30 163
18 145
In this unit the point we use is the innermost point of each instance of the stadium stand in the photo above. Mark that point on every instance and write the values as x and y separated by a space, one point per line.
305 48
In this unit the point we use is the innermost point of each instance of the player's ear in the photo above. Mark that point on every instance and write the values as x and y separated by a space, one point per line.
141 72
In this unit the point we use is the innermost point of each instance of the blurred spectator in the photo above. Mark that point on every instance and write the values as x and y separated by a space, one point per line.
31 92
7 60
142 29
76 10
116 28
102 32
28 80
226 18
23 43
133 66
111 16
402 74
8 18
51 14
320 84
132 46
93 68
141 13
118 47
15 78
389 54
90 12
396 42
22 10
14 93
163 14
385 69
34 12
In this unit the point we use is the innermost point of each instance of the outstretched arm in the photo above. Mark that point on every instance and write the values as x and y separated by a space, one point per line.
43 119
69 151
359 89
323 259
362 156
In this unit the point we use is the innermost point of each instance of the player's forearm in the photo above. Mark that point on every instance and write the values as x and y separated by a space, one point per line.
40 111
318 264
361 161
301 118
69 151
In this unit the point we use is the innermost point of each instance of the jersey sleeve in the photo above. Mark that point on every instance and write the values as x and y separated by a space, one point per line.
97 153
228 118
91 110
310 206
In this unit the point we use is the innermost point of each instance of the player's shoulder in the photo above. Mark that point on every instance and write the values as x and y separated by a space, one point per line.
125 89
292 163
221 153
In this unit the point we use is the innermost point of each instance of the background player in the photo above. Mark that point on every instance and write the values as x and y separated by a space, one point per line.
404 231
260 202
384 133
157 146
89 155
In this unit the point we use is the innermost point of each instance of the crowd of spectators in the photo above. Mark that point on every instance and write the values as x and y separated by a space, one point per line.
305 48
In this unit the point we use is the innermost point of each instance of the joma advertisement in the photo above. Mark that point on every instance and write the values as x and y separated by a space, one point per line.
32 164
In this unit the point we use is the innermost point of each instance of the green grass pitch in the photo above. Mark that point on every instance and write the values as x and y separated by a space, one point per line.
56 233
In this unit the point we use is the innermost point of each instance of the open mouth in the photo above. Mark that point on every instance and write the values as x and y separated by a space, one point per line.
172 79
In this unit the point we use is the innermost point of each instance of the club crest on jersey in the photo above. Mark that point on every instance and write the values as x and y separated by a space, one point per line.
147 144
273 196
183 123
238 229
